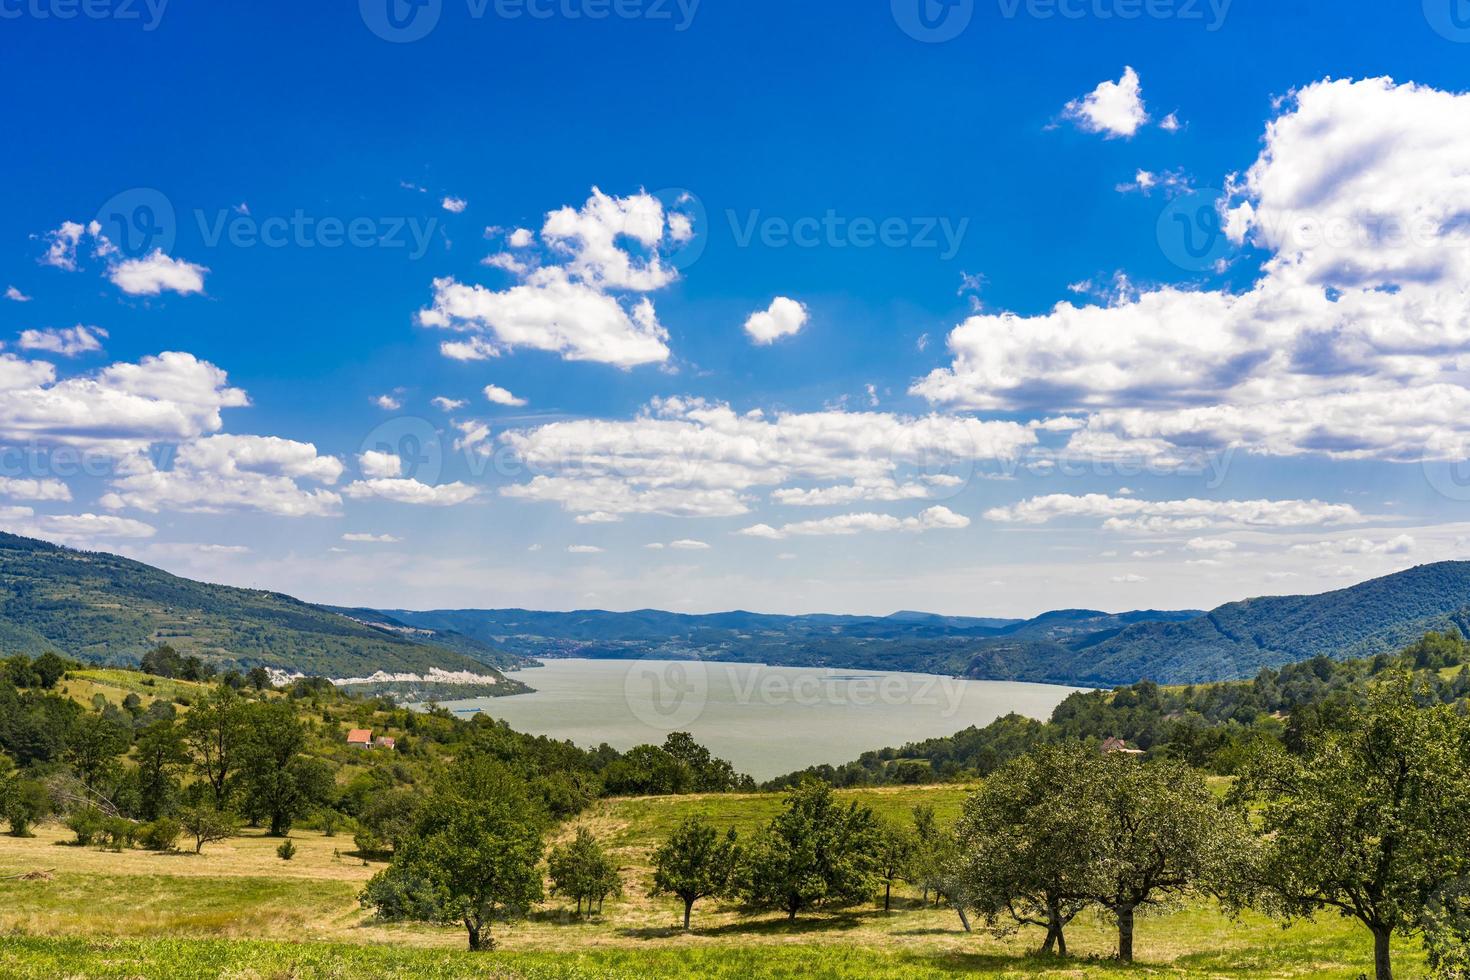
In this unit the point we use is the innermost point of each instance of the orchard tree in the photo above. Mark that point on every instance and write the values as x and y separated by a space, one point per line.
93 747
207 825
695 863
1151 830
161 755
1373 820
1024 844
895 858
582 870
817 853
471 857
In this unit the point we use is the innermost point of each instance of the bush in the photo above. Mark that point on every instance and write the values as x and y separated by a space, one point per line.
118 832
160 835
286 851
87 824
26 803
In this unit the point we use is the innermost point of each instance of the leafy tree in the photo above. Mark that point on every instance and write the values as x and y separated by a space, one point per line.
93 747
926 850
708 774
215 731
815 853
1373 821
279 782
161 754
647 770
1152 830
207 825
694 863
26 803
1024 844
582 870
49 669
472 855
162 661
895 858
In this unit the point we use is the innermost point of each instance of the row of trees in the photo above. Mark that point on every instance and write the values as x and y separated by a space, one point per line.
1370 820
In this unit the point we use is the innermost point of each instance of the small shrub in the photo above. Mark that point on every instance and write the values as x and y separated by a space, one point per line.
160 835
26 803
117 833
286 851
87 824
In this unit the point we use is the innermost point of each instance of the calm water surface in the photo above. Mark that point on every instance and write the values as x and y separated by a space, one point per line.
765 720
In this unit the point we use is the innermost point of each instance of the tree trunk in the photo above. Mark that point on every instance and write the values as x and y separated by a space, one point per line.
888 895
964 919
688 908
791 911
1056 940
474 930
1125 933
1382 962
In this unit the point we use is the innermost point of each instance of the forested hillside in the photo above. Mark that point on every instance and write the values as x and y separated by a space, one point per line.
106 609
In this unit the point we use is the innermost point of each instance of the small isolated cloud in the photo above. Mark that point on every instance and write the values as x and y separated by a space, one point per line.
1113 108
1210 545
499 396
521 238
15 295
454 205
447 404
1128 579
688 544
371 538
599 517
388 403
583 549
1170 123
784 318
157 272
66 341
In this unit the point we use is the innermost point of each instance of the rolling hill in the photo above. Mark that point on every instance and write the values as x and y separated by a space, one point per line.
106 609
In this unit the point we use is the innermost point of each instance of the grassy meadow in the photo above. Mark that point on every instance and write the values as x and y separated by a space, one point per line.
230 911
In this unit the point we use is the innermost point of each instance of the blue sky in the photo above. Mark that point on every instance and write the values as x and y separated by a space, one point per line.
647 221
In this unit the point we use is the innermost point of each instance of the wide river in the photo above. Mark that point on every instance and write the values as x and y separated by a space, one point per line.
765 720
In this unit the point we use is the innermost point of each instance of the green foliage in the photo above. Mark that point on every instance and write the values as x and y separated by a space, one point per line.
26 803
472 855
695 862
817 853
207 825
277 780
87 824
581 870
1023 845
1373 821
215 732
287 850
160 835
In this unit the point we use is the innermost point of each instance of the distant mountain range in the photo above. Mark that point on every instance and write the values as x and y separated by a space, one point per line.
107 609
1072 646
104 608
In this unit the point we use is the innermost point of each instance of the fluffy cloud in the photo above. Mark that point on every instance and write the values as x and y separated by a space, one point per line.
358 538
454 205
171 397
155 273
933 519
388 403
580 298
71 528
223 473
583 549
24 488
404 491
15 295
378 465
1358 199
66 341
688 544
1113 108
1132 514
687 457
1400 544
784 318
447 404
499 396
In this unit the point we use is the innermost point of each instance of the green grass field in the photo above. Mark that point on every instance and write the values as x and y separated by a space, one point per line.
239 911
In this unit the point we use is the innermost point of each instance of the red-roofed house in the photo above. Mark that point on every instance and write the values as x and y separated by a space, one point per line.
384 742
362 738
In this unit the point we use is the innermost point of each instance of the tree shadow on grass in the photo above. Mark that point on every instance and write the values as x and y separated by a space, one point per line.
1026 964
756 927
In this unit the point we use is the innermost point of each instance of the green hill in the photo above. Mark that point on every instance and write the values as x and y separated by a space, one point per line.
106 609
